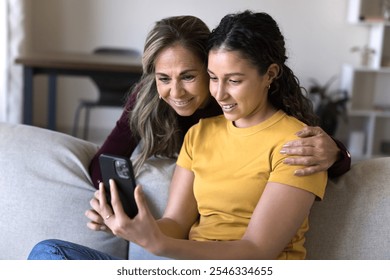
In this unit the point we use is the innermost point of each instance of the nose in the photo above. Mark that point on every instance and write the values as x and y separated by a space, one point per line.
177 90
218 90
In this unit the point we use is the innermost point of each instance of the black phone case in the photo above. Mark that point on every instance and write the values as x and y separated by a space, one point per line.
121 170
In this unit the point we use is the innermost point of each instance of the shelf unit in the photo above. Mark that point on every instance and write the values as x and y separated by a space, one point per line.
368 86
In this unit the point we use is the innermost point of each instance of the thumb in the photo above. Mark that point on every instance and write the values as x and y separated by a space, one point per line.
140 199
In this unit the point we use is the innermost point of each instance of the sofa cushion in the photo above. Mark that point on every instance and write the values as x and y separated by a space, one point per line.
353 220
45 190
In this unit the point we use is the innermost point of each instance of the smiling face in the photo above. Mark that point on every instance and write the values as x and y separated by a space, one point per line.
182 80
239 88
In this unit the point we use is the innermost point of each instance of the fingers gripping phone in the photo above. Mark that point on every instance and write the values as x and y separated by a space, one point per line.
121 170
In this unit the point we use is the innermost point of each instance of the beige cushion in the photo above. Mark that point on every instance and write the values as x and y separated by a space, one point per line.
353 221
45 190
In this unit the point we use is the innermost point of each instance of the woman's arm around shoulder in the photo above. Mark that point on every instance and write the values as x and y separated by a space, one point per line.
317 151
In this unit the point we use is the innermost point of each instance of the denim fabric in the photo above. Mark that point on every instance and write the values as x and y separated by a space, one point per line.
53 249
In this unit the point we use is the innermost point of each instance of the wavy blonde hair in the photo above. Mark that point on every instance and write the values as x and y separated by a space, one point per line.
152 120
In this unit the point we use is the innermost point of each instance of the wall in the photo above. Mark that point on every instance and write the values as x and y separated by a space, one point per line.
317 35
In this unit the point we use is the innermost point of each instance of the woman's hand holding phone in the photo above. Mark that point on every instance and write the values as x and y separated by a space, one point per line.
120 170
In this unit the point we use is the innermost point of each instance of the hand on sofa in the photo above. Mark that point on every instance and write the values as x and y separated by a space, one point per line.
96 222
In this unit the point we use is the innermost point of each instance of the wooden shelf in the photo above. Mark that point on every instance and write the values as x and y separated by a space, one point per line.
368 87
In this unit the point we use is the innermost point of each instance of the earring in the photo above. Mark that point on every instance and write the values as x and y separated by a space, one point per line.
159 97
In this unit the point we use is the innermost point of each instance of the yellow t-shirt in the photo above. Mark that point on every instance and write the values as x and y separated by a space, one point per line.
232 166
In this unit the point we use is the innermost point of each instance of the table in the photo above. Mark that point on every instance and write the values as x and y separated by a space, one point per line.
73 64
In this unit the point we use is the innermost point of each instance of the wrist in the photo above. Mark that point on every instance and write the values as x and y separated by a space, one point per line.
158 245
343 155
343 163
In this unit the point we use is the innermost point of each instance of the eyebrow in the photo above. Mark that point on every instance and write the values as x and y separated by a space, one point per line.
181 73
228 74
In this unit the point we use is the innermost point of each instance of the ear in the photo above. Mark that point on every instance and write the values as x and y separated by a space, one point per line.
272 72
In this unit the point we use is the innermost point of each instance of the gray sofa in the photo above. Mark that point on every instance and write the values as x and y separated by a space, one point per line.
45 190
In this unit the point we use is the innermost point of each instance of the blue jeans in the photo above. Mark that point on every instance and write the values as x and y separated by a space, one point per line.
53 249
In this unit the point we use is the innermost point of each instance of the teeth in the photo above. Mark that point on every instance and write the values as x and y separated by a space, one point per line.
181 103
228 107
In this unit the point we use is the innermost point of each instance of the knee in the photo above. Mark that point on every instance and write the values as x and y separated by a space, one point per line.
46 250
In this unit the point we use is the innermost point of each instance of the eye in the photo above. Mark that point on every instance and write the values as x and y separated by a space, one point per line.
234 82
213 79
164 80
188 77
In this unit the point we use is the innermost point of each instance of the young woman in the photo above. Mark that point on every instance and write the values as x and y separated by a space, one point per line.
231 195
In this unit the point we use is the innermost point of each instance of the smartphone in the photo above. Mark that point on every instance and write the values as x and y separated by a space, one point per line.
120 169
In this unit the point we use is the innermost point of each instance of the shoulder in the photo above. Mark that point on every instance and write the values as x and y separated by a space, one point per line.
292 122
284 127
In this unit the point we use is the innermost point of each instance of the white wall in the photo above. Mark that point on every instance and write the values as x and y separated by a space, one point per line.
317 35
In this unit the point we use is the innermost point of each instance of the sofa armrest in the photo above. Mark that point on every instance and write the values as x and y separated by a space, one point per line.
45 190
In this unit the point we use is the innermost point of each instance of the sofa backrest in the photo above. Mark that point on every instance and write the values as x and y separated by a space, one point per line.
353 220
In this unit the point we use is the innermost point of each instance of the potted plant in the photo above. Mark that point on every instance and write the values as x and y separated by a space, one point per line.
328 105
